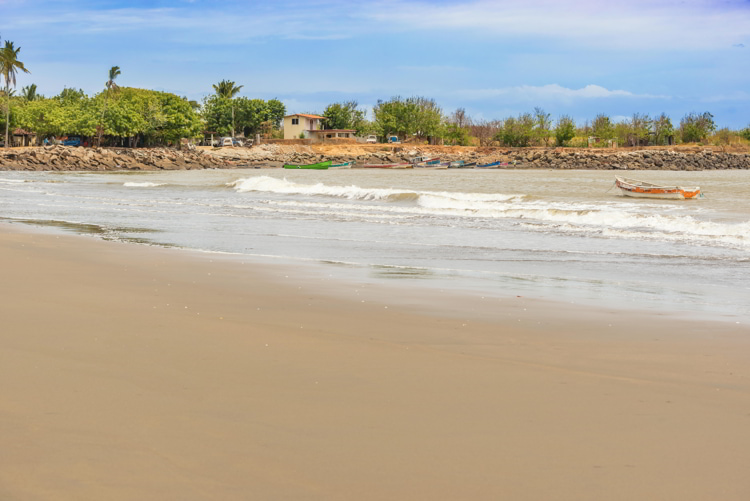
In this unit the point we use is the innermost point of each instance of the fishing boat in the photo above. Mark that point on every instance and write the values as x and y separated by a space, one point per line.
431 164
642 189
387 166
425 162
315 166
345 165
458 164
492 165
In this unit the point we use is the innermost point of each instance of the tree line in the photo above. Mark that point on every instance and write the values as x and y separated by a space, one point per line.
422 118
146 117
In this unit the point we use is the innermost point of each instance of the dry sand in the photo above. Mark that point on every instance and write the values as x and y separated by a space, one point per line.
129 372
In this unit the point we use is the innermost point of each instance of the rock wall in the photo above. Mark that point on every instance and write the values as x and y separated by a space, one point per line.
274 155
87 159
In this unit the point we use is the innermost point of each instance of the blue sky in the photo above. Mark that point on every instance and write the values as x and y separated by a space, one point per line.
493 58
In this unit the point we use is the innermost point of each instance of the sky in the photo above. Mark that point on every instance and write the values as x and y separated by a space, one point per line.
492 58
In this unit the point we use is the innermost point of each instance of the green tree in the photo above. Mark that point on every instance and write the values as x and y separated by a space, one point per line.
640 126
9 67
603 127
517 132
344 116
112 89
415 116
227 89
29 93
745 133
565 130
543 126
663 129
695 127
276 112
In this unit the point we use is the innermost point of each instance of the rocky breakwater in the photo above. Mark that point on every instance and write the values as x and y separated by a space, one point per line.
103 159
629 160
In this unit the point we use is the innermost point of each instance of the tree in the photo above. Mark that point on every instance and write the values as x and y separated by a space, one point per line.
745 133
695 127
112 89
415 116
29 93
517 132
276 112
485 131
460 118
565 130
543 126
603 127
9 66
640 126
227 89
344 116
663 129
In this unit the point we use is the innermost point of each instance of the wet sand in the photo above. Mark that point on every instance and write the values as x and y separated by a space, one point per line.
129 372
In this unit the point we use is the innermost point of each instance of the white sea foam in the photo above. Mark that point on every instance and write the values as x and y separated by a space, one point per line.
450 200
143 185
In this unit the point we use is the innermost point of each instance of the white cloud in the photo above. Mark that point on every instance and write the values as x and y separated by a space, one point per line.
637 24
552 92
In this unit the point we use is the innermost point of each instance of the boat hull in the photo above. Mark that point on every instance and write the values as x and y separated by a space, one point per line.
316 166
639 189
387 166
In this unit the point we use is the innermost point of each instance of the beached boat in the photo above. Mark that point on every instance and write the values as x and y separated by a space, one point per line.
458 164
492 165
642 189
425 162
315 166
431 164
386 166
345 165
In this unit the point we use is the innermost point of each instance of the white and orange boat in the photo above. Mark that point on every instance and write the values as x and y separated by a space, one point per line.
642 189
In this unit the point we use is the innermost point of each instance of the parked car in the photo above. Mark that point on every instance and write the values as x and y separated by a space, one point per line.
226 141
236 142
72 141
372 138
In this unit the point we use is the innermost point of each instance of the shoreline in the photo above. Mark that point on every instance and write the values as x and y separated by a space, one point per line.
69 158
134 372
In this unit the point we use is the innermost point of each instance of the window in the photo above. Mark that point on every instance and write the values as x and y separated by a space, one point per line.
295 121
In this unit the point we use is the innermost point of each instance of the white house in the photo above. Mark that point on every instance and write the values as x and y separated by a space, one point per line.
310 127
295 125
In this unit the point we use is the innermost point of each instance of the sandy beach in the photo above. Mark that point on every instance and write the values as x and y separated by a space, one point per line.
133 372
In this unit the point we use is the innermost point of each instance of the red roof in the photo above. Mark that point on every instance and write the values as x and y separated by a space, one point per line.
304 115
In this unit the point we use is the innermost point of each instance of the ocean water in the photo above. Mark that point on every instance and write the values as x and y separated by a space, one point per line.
559 235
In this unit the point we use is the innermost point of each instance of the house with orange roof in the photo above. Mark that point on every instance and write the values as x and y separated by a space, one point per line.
310 127
301 124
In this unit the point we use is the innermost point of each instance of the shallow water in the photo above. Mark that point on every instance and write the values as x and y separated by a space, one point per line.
562 235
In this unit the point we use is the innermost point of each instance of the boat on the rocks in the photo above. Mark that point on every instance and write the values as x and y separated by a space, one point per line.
387 166
425 162
344 165
492 165
643 189
316 166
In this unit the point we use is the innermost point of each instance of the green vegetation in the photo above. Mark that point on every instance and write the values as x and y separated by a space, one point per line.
140 117
9 67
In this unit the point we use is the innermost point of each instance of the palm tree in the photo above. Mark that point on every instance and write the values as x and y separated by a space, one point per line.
29 93
227 89
112 87
9 66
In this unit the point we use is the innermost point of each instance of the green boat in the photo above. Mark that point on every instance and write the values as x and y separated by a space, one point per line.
317 166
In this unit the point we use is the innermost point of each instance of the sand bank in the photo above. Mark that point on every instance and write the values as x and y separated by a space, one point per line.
131 372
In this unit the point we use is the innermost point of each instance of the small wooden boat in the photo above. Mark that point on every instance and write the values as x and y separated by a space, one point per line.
492 165
345 165
432 164
387 166
642 189
425 162
316 166
458 164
